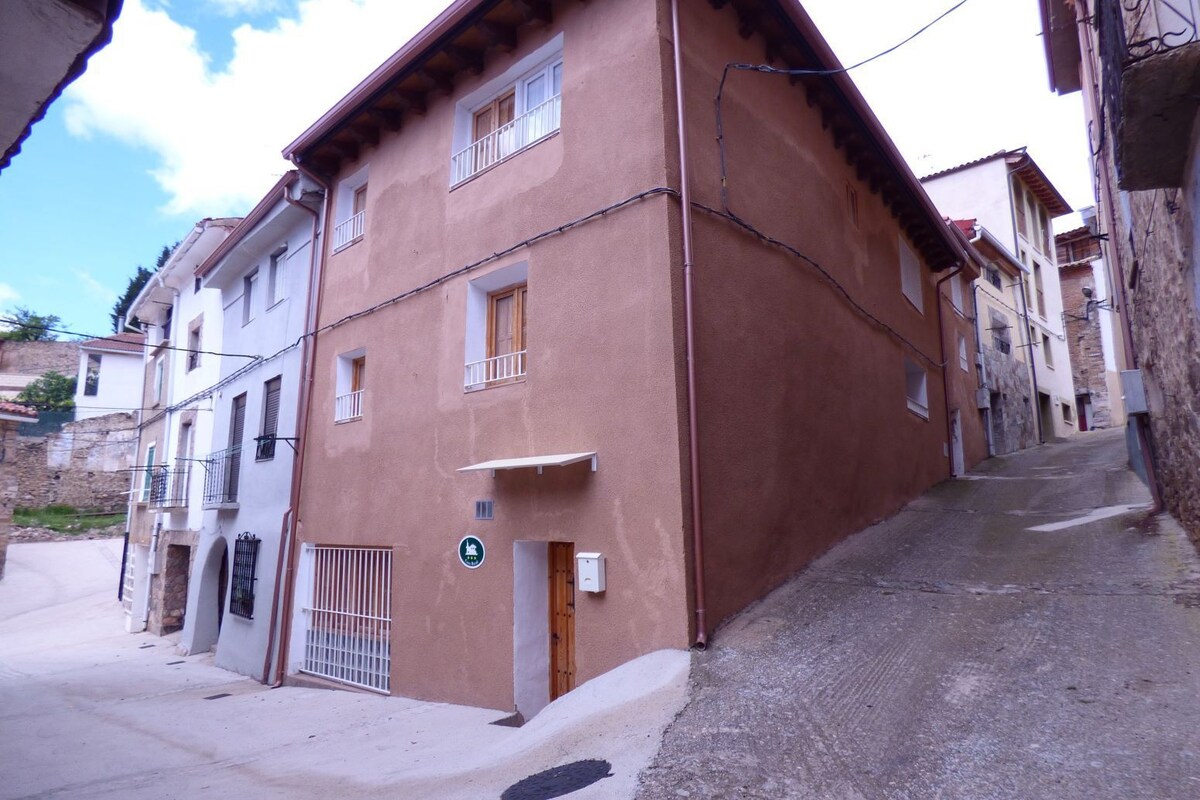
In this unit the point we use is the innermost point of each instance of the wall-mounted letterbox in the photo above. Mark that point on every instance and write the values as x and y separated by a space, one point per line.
590 569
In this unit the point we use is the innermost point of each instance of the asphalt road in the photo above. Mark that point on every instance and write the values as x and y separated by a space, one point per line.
1021 633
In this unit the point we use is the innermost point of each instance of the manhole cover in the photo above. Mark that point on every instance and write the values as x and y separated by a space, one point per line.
558 781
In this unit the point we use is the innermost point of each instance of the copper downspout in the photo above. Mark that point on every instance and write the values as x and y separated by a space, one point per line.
937 290
303 404
690 327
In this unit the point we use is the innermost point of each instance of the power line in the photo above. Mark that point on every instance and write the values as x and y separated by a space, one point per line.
31 327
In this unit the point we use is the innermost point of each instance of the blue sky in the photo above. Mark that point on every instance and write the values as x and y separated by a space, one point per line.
183 116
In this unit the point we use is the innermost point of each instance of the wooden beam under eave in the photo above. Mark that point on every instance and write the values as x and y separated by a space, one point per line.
347 151
465 59
537 11
436 80
389 119
408 100
367 133
718 4
500 37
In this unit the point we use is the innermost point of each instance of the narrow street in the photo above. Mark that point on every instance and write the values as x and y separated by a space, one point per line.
1015 634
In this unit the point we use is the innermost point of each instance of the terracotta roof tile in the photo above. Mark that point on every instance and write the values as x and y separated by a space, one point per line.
125 342
17 410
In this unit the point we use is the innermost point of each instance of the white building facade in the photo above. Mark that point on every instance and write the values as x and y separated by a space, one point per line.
110 375
1012 198
261 277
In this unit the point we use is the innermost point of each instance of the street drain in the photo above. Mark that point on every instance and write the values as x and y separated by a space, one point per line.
218 696
173 663
558 781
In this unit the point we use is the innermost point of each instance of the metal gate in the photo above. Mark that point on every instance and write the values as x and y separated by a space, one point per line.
348 619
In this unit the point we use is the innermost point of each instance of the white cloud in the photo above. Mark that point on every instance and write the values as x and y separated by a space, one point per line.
233 8
94 287
216 135
7 295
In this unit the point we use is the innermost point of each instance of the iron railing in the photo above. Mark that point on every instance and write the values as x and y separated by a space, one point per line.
348 232
1154 26
168 486
531 127
222 470
241 584
348 617
480 374
348 406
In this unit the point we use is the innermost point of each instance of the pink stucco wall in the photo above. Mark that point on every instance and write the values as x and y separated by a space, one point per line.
601 374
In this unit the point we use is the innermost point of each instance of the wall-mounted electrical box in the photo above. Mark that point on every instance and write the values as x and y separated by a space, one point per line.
590 568
1134 391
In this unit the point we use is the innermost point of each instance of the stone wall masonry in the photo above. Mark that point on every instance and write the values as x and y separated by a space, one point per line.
1013 426
1162 289
86 465
8 484
1085 343
38 358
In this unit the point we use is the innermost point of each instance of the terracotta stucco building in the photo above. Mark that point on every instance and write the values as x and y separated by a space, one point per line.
539 336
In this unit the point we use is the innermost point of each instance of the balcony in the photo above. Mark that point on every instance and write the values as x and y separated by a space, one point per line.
348 232
1002 345
507 140
168 487
221 472
1151 86
348 406
491 371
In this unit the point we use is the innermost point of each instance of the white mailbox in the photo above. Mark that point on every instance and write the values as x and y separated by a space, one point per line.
591 572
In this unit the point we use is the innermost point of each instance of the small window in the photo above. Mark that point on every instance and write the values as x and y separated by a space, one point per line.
956 293
193 355
1047 353
917 388
1068 416
506 327
248 296
497 305
994 277
196 284
159 381
351 386
910 276
149 478
241 583
962 354
484 509
1037 288
270 419
360 200
852 205
1001 335
350 210
275 276
91 378
1018 195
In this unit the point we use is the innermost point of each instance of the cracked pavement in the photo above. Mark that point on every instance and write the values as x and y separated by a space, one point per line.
1025 632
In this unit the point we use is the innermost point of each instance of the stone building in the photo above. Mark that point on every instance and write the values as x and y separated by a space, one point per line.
1137 73
85 465
11 417
1087 315
23 362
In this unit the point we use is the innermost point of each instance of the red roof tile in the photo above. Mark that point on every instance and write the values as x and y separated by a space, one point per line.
17 410
124 342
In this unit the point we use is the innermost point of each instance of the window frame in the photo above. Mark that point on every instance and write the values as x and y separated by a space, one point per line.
91 377
276 270
912 284
248 281
268 427
916 388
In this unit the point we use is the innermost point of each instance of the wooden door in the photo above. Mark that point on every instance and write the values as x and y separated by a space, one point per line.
562 618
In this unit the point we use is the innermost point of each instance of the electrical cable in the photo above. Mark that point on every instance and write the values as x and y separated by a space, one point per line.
89 337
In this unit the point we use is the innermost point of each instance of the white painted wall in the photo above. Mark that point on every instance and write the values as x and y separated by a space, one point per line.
531 627
120 387
264 486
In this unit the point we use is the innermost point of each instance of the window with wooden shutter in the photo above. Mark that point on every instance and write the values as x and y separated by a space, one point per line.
506 334
270 419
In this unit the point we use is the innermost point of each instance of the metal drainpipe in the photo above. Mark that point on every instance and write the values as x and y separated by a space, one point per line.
983 377
689 324
1037 410
303 406
286 522
937 291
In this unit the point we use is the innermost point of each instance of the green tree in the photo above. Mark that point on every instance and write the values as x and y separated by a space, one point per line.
51 392
23 325
135 285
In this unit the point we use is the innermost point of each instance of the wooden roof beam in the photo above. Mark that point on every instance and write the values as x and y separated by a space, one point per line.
389 119
501 37
465 59
539 12
436 80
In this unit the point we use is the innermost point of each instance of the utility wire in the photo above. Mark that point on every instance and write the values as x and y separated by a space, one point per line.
28 326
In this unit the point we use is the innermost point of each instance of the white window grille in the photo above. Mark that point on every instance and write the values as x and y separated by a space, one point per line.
531 127
348 406
348 619
348 232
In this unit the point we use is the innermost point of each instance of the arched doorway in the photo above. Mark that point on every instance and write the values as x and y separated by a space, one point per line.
209 604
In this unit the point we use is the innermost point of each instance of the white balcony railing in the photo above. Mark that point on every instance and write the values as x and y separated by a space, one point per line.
348 406
480 374
348 232
529 128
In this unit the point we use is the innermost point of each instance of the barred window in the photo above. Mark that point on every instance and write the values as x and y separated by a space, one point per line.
245 564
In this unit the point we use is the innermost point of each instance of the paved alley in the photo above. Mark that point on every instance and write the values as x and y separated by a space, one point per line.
1021 633
89 711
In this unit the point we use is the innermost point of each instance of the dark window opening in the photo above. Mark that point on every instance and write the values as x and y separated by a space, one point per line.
245 564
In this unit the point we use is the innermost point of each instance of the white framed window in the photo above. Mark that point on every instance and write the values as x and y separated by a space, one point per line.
91 378
148 477
496 323
509 113
350 209
956 293
1047 353
916 384
248 296
159 380
910 276
276 275
193 346
351 385
962 354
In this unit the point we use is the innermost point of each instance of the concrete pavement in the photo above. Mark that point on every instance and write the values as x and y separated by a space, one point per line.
88 711
1020 634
